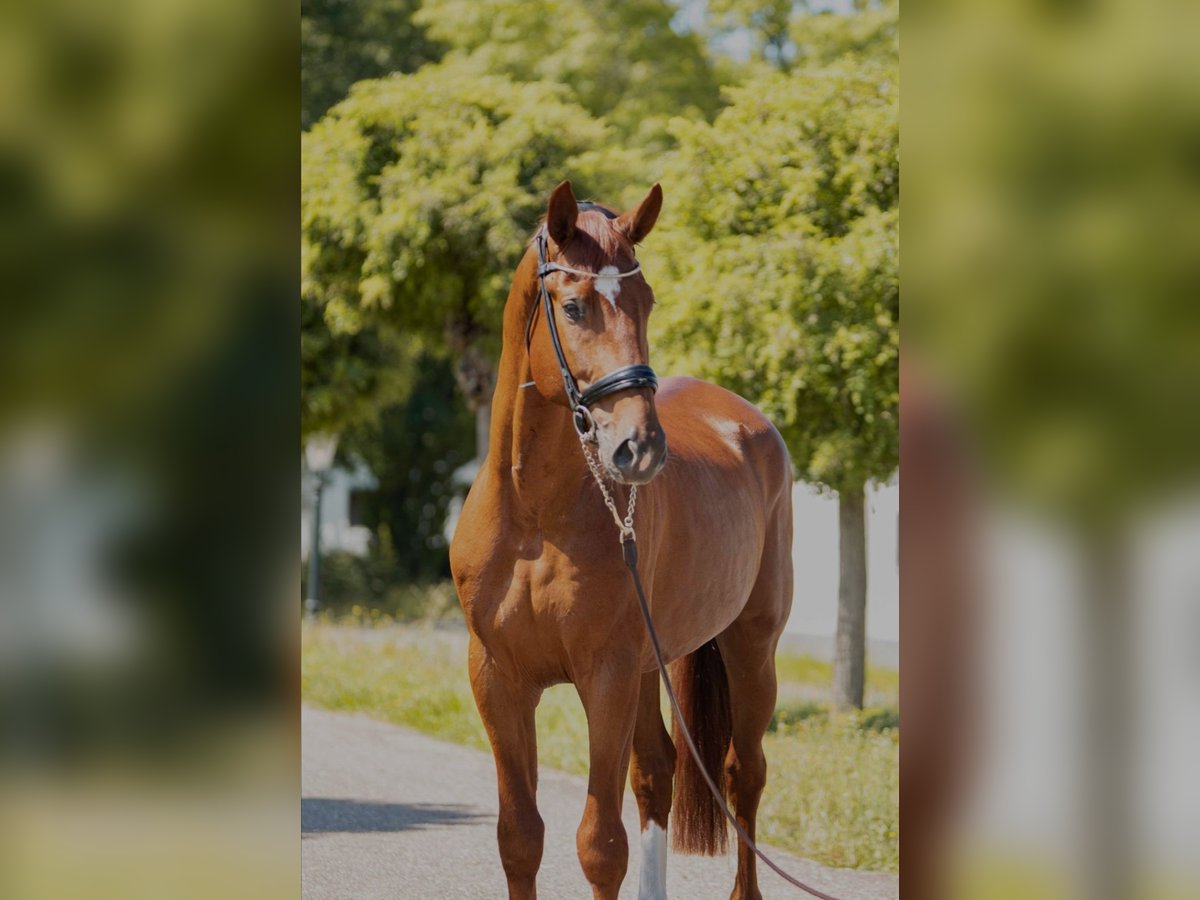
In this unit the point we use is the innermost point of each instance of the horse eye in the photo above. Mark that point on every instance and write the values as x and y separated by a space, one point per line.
572 311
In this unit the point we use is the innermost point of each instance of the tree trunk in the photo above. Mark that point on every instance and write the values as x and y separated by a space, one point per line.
483 428
1107 865
849 664
476 377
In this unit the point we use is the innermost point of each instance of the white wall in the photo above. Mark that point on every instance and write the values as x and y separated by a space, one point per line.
815 558
336 531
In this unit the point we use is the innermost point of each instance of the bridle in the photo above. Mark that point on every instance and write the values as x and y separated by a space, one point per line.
638 375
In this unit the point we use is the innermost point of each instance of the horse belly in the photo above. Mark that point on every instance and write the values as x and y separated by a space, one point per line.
724 493
704 572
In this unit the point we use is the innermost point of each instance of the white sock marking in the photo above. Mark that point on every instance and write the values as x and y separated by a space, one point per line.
653 883
609 287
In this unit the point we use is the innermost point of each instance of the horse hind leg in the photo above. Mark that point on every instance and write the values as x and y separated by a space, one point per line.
650 776
507 711
748 650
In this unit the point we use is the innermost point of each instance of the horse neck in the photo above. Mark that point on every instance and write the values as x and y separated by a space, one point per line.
533 445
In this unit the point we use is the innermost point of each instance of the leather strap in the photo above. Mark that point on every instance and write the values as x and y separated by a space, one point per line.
624 378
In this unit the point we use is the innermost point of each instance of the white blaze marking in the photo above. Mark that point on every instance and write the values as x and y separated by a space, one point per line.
609 287
653 884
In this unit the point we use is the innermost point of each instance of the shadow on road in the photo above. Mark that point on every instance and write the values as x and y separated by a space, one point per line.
321 815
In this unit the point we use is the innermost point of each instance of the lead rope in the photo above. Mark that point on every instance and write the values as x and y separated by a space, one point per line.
629 552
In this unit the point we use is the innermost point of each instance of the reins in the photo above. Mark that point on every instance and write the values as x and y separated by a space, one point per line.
623 379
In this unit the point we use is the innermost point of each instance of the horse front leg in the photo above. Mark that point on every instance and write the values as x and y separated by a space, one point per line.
650 777
609 697
507 710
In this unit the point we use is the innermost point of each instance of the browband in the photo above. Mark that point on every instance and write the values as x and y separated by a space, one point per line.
545 270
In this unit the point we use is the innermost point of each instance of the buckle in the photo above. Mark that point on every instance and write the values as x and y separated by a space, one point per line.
585 425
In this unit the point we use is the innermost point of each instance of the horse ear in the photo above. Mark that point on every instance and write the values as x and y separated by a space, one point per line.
637 223
563 211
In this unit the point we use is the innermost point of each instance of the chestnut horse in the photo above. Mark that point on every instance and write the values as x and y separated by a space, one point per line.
539 570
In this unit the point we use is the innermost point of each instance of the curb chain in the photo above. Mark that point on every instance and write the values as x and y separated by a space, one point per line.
626 526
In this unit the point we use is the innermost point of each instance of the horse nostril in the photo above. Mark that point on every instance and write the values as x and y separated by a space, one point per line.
625 454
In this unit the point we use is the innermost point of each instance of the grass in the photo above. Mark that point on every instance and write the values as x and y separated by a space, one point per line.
812 672
833 785
999 873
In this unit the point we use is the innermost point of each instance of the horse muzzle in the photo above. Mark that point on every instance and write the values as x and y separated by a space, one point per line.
638 457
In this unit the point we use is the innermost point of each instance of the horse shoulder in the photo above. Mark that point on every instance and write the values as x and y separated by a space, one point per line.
477 550
700 412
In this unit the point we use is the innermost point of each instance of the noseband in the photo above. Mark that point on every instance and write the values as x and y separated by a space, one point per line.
634 376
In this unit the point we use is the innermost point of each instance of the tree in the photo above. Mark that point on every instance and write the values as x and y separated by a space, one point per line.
781 282
418 194
818 38
414 449
344 41
349 374
1057 256
621 59
789 34
765 23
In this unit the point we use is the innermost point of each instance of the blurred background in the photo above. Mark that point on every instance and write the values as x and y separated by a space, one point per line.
148 434
1051 627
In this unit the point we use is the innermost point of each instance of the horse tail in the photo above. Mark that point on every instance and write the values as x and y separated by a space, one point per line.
701 686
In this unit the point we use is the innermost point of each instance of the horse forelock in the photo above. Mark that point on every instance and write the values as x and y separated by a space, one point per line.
596 242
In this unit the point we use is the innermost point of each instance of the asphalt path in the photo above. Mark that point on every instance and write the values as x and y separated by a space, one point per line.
387 812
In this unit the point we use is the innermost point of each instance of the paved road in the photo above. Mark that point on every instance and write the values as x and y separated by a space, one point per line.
391 813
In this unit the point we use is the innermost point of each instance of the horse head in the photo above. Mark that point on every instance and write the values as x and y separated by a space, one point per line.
596 358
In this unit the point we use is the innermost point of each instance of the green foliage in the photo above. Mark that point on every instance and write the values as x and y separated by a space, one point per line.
1057 253
375 589
780 262
347 376
344 41
620 59
839 801
872 32
789 34
413 449
418 191
875 718
879 718
418 194
765 21
791 713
